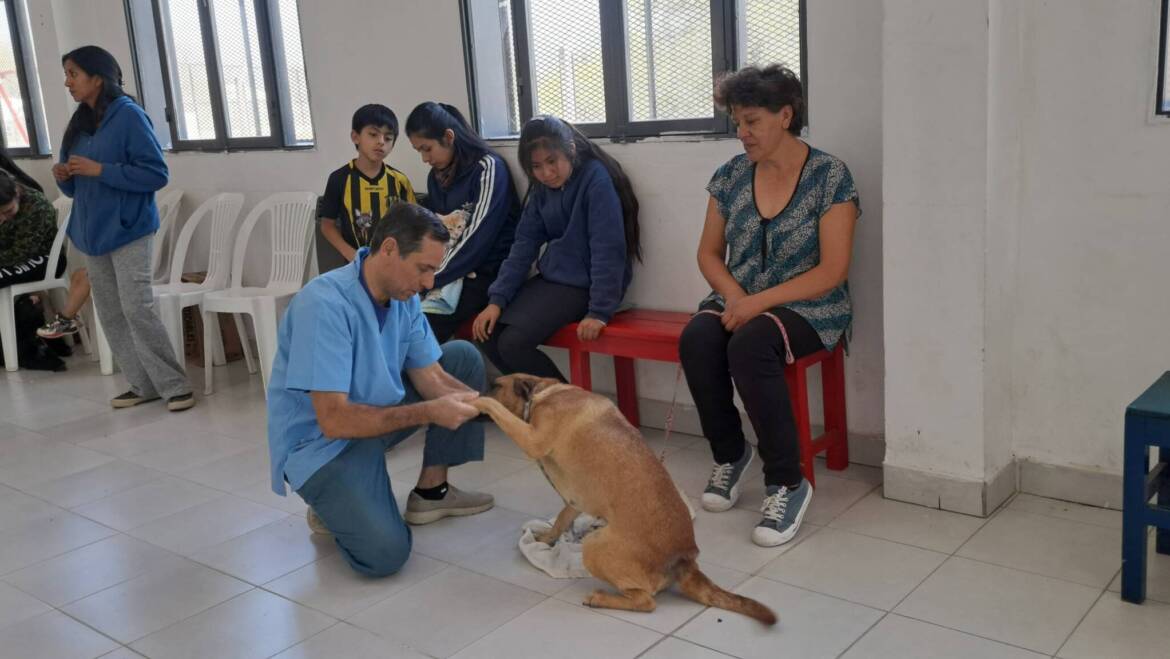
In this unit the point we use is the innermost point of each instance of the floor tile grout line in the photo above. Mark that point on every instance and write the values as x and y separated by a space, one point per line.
896 542
885 614
1007 506
197 613
1036 574
345 622
969 633
499 626
1058 518
348 617
89 626
155 569
1081 621
4 578
815 592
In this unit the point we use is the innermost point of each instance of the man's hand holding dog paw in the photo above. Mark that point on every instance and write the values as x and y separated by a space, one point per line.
453 410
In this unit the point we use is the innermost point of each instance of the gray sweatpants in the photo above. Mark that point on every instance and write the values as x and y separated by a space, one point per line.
125 304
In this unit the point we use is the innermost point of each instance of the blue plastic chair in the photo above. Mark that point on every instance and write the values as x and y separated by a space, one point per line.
1147 424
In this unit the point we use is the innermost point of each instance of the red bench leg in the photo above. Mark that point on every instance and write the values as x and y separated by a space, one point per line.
579 373
798 392
833 390
627 388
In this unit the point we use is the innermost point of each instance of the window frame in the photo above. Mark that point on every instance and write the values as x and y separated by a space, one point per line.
1161 101
619 125
18 53
274 141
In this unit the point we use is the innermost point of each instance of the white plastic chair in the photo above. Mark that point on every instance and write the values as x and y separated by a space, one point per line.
291 223
50 282
88 313
171 298
168 211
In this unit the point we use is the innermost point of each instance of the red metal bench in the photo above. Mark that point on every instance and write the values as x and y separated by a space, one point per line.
649 334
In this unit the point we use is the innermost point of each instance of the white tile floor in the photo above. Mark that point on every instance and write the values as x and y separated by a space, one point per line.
141 533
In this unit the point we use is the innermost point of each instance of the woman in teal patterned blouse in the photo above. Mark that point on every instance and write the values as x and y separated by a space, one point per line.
775 248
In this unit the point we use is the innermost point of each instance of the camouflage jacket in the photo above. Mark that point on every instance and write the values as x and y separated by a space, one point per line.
30 233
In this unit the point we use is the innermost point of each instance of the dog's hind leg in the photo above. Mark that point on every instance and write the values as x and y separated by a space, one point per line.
605 558
628 600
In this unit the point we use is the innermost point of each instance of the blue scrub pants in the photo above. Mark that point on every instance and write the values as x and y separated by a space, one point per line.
351 493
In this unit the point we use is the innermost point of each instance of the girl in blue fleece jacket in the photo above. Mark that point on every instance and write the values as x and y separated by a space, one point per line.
582 210
471 187
111 165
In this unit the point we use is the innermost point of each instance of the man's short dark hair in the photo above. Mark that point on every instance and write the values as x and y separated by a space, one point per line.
408 224
771 87
375 115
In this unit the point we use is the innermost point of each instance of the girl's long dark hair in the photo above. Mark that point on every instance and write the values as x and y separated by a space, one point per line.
557 134
94 61
17 173
431 120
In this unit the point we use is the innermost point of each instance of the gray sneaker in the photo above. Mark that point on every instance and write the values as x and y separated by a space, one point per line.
723 487
783 511
455 503
130 399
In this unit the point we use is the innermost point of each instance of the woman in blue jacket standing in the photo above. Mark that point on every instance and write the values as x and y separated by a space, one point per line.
111 165
471 187
582 210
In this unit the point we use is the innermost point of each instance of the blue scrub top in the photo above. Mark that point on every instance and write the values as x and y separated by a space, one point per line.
330 339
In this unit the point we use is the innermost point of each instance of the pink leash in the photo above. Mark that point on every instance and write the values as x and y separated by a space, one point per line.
788 359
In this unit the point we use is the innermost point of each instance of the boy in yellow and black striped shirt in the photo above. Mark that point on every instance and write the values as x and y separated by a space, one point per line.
362 190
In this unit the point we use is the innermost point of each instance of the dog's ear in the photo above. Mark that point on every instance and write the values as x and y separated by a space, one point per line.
523 388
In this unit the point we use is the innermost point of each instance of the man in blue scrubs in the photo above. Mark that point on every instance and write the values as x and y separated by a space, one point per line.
338 397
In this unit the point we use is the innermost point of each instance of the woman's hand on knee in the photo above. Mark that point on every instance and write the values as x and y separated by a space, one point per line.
589 329
485 322
738 312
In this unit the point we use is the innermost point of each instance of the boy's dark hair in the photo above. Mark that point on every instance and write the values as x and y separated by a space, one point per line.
407 224
376 115
771 87
556 134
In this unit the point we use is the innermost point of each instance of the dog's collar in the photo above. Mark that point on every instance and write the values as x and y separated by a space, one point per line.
527 410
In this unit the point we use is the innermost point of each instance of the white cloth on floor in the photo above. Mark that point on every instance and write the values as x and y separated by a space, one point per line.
563 560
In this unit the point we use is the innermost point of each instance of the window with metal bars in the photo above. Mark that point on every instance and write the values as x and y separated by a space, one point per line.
17 125
1162 102
234 74
619 68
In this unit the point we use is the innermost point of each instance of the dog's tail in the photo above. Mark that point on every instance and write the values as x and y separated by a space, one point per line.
695 585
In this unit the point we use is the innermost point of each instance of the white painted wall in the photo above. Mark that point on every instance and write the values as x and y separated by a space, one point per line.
935 194
1092 309
1025 180
669 176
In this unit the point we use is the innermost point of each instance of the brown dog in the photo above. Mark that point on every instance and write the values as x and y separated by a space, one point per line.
600 465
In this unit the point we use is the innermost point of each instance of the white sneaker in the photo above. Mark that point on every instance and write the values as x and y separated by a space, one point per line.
783 511
723 486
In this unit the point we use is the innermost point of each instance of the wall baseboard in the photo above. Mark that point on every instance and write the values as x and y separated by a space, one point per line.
947 492
1076 484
